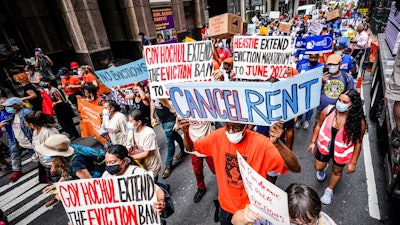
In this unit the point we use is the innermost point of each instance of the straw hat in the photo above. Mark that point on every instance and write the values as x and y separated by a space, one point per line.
56 145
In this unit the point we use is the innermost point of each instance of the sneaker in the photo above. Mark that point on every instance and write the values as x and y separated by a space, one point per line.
298 123
327 197
395 138
199 195
51 202
15 176
306 125
167 172
321 175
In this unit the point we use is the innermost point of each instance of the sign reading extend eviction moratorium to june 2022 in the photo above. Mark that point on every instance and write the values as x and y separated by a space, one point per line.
269 200
121 200
163 18
259 103
125 74
261 57
182 62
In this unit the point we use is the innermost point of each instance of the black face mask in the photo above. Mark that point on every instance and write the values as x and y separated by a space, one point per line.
313 63
114 169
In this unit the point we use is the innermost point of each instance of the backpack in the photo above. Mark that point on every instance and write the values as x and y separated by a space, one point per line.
346 78
98 157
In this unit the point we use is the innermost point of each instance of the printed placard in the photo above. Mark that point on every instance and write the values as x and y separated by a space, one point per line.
182 62
270 201
163 18
319 44
259 57
259 103
315 28
125 74
300 43
118 200
117 97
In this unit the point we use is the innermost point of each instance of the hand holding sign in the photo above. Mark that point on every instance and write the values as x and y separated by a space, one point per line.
276 131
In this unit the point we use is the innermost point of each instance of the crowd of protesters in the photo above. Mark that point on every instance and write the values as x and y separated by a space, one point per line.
48 98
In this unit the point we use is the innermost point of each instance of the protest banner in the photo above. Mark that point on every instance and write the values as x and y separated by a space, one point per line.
344 25
163 18
117 97
261 57
182 62
300 44
125 74
259 103
120 200
270 201
315 28
274 14
319 44
90 122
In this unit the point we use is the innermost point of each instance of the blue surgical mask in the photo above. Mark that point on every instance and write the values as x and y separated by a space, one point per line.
10 109
47 158
339 53
341 107
131 126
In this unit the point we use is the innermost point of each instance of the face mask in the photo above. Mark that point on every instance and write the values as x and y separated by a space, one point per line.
339 53
220 45
62 77
29 72
47 158
235 137
10 110
341 107
333 69
114 169
106 112
131 126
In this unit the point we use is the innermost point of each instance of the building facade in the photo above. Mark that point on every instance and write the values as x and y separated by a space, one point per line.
94 32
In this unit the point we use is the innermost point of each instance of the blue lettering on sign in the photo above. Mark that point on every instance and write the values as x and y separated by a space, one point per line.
307 86
271 107
291 101
174 103
253 105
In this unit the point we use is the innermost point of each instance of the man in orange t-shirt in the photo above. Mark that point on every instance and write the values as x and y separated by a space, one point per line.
71 85
268 156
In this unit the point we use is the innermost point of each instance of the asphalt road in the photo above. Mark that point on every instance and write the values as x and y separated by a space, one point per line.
352 203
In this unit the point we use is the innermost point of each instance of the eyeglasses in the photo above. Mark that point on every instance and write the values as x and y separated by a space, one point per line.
234 128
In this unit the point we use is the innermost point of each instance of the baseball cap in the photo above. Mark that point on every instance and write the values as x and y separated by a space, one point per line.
62 71
339 45
38 50
334 59
74 65
13 101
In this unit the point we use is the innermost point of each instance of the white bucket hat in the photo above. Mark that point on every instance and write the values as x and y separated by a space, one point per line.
56 145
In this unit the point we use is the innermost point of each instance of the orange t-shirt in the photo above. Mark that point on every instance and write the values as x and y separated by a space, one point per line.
258 151
70 81
89 78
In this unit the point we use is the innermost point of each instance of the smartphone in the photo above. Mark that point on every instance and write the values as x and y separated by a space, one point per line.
326 69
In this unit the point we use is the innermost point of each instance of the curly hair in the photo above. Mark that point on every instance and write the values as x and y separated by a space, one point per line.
61 165
352 128
22 78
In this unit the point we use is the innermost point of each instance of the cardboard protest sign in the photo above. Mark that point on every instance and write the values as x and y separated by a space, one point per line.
90 122
300 44
225 26
315 28
319 44
182 62
261 57
270 201
119 99
119 200
125 74
259 103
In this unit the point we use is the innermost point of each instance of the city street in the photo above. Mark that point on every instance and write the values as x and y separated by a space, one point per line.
360 198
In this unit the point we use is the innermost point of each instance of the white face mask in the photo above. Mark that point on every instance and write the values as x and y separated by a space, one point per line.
220 45
333 69
235 137
106 112
131 126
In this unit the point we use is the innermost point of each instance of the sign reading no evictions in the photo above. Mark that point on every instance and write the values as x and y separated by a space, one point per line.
261 57
259 103
182 62
122 200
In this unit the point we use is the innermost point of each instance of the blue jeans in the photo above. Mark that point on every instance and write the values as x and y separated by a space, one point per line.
15 155
308 115
171 136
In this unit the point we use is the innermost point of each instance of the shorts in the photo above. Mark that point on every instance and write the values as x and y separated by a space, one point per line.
325 158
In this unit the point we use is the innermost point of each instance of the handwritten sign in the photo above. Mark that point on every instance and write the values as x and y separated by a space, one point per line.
182 62
274 14
260 103
315 28
270 201
119 200
125 74
259 57
119 99
319 44
90 122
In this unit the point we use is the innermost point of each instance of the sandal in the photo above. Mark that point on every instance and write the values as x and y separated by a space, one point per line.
167 172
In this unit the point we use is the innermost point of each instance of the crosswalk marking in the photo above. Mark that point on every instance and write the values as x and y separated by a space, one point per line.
33 215
9 196
26 207
20 180
22 197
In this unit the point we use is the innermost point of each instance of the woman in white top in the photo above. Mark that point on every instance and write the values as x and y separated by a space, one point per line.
118 163
115 123
142 143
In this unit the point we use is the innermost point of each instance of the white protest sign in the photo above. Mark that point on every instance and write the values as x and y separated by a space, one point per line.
117 97
259 103
118 200
261 57
270 201
315 28
182 62
274 14
344 24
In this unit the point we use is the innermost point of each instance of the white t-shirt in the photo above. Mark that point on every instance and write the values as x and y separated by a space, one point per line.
40 138
23 141
116 127
146 140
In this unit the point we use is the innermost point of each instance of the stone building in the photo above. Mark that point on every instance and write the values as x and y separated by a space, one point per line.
95 31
